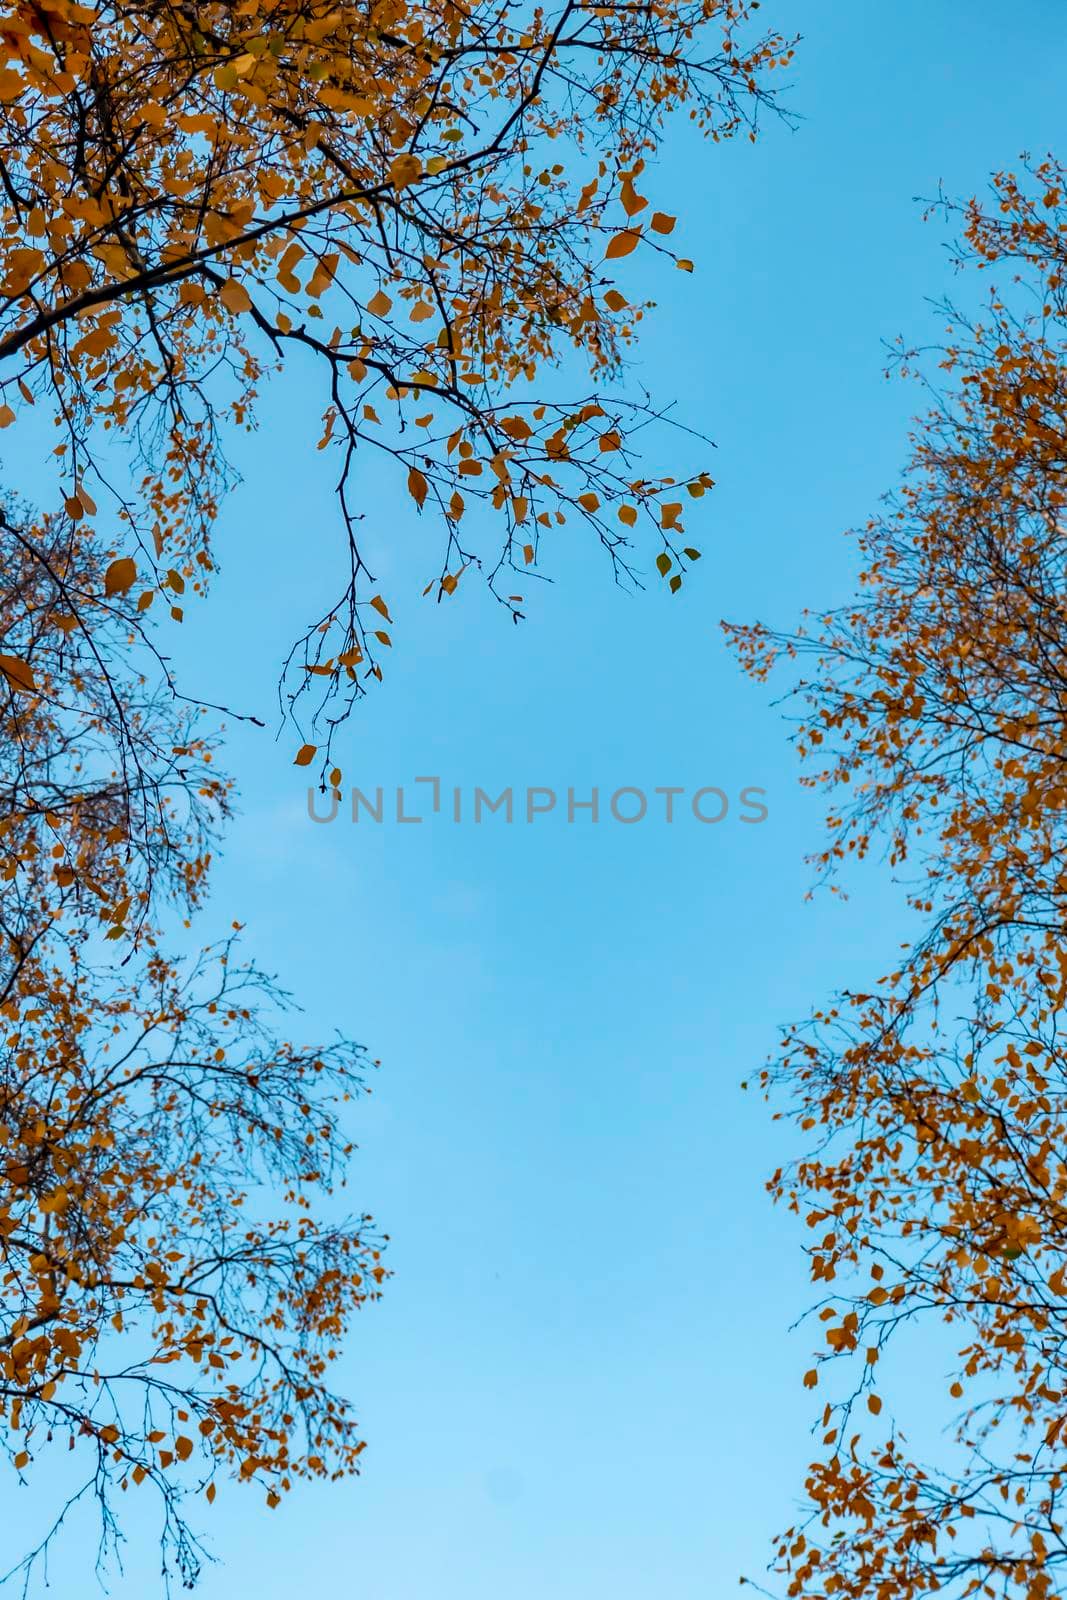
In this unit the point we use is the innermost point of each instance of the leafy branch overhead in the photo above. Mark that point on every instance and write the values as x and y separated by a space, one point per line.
427 199
429 202
932 714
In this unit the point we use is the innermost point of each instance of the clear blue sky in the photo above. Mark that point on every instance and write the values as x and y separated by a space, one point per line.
580 1382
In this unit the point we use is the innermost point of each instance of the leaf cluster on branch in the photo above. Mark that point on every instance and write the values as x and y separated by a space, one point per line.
423 200
934 713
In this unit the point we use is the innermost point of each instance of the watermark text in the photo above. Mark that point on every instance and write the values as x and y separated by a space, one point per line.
426 799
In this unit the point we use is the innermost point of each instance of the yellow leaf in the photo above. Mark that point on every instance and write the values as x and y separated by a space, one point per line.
120 575
404 170
632 202
235 296
621 244
18 673
7 416
417 487
22 265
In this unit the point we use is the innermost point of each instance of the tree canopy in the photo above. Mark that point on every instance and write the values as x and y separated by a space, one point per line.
428 201
932 711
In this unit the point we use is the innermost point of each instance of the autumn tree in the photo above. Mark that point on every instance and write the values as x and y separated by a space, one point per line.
932 709
427 199
171 1300
427 202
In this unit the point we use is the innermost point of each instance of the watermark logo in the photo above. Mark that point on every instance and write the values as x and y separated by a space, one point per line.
427 799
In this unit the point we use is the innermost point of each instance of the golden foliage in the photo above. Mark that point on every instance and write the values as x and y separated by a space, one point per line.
170 1303
416 194
934 712
418 197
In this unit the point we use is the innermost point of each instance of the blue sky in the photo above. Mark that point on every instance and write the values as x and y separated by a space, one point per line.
581 1379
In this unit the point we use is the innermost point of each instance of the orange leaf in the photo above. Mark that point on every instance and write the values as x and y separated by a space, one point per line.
621 244
417 487
632 202
405 169
235 296
662 223
120 576
305 755
18 673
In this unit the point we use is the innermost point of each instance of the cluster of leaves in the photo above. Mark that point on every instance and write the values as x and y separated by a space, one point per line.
424 198
934 713
155 1310
192 191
